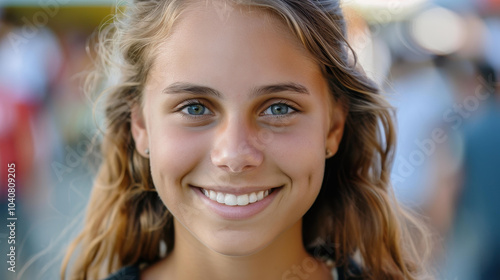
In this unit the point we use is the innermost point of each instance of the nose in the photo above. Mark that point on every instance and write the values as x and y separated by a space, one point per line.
236 147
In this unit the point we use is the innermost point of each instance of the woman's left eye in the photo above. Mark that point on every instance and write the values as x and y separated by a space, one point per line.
279 109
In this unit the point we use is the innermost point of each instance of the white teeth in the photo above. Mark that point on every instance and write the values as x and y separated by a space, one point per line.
260 195
230 200
233 200
213 195
242 200
252 198
220 197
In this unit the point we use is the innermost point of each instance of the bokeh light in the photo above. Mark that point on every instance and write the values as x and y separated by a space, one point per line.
438 30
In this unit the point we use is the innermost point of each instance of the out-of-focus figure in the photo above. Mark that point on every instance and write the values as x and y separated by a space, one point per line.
29 64
474 243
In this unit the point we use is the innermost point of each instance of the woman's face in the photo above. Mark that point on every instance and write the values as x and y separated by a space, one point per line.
237 118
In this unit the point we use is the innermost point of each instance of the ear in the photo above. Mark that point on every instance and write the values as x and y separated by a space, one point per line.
338 115
139 131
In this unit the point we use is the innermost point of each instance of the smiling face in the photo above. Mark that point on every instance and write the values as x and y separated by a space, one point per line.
237 117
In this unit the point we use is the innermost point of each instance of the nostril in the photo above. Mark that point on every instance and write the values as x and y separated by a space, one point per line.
236 165
237 160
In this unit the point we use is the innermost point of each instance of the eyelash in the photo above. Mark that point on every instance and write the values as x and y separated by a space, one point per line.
282 102
198 102
191 103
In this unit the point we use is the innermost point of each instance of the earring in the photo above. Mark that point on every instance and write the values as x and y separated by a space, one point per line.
146 152
328 153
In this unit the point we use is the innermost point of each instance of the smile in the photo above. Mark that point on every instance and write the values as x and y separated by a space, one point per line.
236 200
237 203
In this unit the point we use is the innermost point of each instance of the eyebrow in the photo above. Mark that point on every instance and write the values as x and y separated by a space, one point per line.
183 87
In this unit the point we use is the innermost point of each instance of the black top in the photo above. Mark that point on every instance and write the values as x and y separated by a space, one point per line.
133 273
127 273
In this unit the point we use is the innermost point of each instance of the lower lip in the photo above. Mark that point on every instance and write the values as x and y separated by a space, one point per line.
237 212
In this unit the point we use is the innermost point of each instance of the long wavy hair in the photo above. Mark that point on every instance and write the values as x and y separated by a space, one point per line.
355 213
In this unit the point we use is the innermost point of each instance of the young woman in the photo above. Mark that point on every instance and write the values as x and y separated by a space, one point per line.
241 142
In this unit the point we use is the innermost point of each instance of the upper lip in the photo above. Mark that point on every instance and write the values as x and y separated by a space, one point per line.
235 190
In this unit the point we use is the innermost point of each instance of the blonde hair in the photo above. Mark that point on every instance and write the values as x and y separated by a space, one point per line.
126 220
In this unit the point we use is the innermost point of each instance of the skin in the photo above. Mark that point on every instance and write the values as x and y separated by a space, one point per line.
238 142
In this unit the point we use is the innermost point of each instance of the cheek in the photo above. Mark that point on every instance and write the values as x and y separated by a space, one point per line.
301 156
174 152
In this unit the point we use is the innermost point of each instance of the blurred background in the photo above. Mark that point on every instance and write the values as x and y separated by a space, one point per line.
436 60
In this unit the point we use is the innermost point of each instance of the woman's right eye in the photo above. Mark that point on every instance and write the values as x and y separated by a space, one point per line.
195 109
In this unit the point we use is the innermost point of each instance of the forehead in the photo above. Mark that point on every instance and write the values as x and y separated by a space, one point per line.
205 16
220 41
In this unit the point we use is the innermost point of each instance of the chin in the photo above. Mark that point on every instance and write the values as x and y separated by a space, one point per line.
236 246
237 250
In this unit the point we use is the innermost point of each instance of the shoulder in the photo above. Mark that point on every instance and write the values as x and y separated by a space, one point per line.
126 273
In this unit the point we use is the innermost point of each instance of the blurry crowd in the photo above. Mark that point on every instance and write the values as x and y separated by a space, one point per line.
437 62
46 129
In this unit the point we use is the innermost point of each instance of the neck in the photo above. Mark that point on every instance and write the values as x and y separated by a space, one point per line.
284 258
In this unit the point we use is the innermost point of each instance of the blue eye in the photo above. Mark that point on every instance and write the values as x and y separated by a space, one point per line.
279 109
195 109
